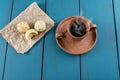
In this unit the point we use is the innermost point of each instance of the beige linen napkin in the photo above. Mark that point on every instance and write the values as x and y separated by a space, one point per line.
17 40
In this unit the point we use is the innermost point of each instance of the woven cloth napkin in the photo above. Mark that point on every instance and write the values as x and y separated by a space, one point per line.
17 40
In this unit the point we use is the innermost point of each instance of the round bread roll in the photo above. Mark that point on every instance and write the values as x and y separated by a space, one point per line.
23 26
40 26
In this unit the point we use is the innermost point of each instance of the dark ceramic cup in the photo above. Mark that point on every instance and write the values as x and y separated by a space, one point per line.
87 24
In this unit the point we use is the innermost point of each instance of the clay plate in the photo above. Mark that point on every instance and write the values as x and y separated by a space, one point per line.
72 46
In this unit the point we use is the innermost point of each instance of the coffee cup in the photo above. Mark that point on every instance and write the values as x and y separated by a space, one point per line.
78 27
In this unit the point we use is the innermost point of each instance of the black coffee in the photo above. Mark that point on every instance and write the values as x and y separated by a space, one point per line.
78 29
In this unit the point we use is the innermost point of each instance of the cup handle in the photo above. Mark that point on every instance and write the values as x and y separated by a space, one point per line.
92 27
61 35
0 32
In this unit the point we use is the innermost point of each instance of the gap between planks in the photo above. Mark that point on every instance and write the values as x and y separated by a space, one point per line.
116 36
6 42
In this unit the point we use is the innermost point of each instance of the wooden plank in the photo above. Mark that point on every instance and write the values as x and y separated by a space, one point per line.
117 19
5 7
101 62
28 66
59 65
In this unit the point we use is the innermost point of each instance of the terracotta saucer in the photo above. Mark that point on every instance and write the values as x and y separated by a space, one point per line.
73 46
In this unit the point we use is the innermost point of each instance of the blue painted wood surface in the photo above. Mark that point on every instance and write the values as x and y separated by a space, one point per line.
4 19
28 66
101 62
117 22
59 65
46 61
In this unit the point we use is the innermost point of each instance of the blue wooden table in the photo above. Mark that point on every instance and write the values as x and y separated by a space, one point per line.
46 61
